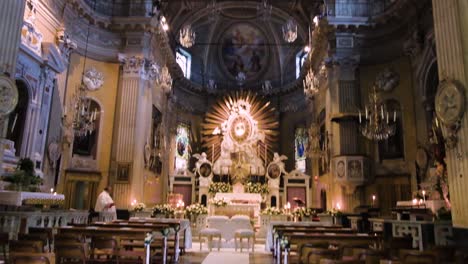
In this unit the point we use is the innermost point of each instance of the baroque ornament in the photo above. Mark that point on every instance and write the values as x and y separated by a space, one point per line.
8 95
93 79
187 36
165 80
450 107
237 132
387 80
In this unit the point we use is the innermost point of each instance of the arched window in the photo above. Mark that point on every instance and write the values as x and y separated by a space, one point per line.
17 119
87 145
301 57
184 59
393 148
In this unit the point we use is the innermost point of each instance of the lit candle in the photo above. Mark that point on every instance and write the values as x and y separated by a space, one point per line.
359 116
338 206
394 116
51 190
55 193
373 199
366 112
424 196
415 201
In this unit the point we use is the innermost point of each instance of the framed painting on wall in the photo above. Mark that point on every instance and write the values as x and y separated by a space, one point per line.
123 172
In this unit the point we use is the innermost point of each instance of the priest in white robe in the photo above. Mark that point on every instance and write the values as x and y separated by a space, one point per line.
105 205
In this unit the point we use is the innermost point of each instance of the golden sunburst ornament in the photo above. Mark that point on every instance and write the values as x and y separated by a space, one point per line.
243 120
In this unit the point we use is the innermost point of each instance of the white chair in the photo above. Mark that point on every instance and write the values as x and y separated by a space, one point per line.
243 229
215 224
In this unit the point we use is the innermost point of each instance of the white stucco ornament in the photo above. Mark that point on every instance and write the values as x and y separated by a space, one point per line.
93 79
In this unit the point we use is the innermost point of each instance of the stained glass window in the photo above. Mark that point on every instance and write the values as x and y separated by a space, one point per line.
182 147
300 142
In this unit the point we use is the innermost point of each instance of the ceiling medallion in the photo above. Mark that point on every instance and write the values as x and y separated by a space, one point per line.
449 108
187 36
290 30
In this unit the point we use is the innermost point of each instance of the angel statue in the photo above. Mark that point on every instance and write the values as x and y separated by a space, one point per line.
275 169
203 168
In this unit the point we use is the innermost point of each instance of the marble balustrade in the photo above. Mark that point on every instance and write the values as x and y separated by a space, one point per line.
10 221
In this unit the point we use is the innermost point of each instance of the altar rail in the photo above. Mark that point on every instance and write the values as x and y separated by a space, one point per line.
11 221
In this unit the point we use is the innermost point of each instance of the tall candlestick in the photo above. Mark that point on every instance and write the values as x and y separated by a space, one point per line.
387 117
394 116
359 116
424 196
212 154
381 110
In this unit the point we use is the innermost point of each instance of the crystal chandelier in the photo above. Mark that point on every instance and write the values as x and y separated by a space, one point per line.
264 9
290 30
83 122
311 83
84 117
377 124
215 11
187 36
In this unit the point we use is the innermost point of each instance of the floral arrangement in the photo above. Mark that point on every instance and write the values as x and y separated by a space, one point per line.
272 211
303 211
139 207
218 202
257 187
335 212
24 177
165 209
219 187
196 209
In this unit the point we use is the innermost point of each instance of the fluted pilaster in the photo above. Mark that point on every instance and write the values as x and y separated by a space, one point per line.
452 62
11 19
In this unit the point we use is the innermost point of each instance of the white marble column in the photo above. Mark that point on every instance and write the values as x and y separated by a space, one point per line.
450 26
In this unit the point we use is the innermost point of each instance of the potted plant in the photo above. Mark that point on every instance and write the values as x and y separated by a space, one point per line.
24 177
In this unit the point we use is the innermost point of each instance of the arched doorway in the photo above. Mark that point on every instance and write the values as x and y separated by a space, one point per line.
17 119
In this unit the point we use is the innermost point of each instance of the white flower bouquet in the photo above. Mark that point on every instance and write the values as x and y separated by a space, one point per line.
218 202
303 211
164 209
257 187
139 207
196 209
272 211
219 187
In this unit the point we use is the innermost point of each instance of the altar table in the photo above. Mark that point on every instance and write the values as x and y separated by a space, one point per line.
17 198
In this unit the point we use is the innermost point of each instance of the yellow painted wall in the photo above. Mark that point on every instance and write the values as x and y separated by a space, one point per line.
106 97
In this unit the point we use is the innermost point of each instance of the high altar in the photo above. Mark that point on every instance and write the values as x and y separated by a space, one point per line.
238 203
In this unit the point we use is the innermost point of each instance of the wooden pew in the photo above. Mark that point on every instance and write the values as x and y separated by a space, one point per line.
300 238
121 231
156 226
